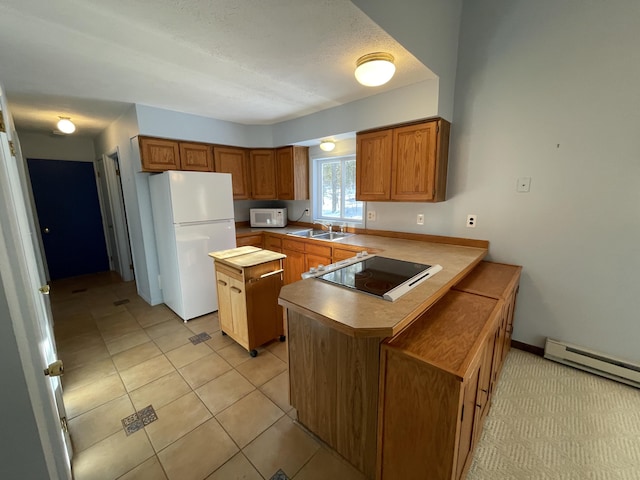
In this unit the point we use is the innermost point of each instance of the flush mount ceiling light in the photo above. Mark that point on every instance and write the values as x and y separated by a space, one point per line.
327 145
375 69
65 125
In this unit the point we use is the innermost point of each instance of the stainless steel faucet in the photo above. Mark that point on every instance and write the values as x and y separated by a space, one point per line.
327 225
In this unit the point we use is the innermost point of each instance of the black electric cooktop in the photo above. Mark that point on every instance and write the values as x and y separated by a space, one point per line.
377 275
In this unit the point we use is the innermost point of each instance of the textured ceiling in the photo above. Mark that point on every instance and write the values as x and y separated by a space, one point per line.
245 61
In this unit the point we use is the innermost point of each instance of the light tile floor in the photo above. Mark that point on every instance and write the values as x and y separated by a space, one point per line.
221 415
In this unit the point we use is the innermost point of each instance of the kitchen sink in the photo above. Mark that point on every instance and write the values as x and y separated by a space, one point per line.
320 235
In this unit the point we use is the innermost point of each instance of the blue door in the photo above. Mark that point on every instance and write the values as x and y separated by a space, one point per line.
69 215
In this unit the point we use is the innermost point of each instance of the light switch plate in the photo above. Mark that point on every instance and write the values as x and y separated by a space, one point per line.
524 184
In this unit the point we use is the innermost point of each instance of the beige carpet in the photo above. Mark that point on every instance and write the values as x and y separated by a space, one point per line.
549 421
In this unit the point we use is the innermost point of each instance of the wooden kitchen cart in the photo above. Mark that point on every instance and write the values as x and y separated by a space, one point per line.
248 280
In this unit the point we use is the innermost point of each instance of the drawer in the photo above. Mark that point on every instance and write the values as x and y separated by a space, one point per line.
294 245
316 249
343 254
272 243
230 271
249 240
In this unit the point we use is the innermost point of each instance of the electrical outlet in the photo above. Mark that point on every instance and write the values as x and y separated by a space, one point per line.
420 220
306 212
472 220
371 215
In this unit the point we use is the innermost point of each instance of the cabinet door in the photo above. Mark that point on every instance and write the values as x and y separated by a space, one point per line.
293 173
373 165
225 313
511 308
263 175
158 155
414 162
196 156
273 243
294 265
313 260
485 385
467 422
239 311
236 162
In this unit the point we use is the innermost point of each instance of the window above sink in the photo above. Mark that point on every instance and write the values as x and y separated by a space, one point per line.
334 189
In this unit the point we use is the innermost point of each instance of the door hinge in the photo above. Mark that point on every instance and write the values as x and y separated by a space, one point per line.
98 174
64 425
45 289
131 266
118 172
13 148
3 129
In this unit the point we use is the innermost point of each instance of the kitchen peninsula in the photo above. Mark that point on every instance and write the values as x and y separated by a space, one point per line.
335 336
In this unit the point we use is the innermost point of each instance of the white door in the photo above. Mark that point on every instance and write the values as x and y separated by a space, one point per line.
22 276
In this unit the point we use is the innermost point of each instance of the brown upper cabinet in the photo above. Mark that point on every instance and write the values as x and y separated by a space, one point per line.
234 160
263 174
406 163
292 164
158 154
196 156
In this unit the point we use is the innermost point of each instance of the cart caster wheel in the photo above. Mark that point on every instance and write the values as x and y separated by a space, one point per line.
223 334
282 338
253 353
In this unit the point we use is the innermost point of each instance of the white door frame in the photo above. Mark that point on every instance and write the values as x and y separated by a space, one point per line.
107 215
119 218
29 310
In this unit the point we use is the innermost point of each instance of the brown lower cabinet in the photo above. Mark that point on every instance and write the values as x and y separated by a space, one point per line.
430 400
437 377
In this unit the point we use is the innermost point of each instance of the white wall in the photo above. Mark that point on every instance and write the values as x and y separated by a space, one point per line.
550 89
119 137
429 30
157 122
49 147
402 104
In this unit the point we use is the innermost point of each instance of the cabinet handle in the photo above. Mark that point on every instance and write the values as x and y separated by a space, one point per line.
222 282
236 290
485 391
275 272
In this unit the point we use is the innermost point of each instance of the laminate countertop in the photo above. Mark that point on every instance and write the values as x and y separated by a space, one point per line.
360 315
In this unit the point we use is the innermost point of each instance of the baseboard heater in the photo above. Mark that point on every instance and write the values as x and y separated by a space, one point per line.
594 362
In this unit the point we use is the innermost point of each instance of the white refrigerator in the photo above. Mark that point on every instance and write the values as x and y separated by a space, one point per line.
192 216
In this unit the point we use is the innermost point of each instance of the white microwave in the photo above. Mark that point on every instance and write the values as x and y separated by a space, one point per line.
268 217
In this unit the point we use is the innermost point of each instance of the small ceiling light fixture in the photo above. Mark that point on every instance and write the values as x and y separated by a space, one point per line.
327 145
375 69
65 125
